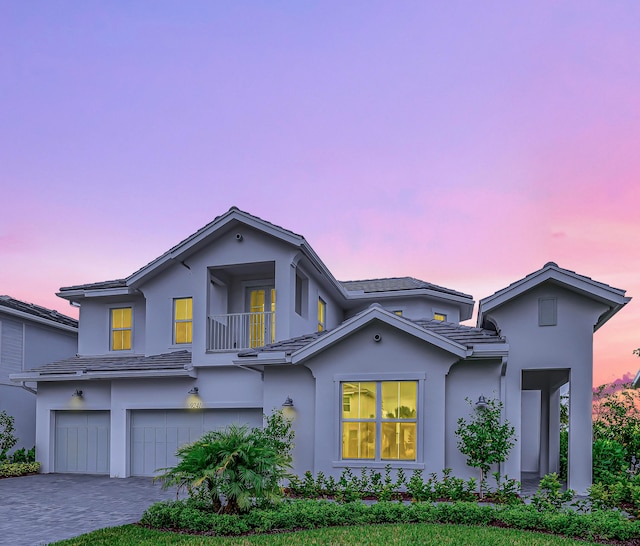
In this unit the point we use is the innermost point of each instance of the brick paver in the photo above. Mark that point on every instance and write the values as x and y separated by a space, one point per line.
44 508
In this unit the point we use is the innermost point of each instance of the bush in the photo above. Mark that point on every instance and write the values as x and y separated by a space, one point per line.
236 468
307 514
608 461
7 436
12 470
549 495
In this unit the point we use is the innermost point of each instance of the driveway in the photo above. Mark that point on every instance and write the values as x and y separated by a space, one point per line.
44 508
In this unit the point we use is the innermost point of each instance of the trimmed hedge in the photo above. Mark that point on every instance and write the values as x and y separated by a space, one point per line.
12 470
189 515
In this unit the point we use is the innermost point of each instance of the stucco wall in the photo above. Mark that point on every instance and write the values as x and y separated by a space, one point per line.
397 356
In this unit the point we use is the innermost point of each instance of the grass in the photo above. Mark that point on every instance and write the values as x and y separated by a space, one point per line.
426 534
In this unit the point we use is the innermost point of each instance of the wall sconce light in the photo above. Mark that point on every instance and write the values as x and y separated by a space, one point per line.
288 403
193 400
482 402
77 394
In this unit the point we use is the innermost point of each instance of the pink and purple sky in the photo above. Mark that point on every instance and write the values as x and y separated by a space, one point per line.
463 143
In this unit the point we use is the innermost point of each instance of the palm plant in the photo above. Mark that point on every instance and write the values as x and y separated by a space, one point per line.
232 469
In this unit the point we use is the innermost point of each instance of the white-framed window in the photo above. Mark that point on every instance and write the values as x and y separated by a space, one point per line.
379 420
322 315
440 316
182 320
121 328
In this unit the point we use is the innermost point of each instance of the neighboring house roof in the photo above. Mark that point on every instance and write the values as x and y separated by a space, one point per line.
85 367
551 272
465 341
38 313
397 283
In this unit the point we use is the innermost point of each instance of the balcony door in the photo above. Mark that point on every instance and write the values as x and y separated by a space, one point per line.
261 302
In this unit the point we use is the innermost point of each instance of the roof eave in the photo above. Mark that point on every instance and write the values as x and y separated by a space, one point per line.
179 252
40 320
363 319
577 283
86 375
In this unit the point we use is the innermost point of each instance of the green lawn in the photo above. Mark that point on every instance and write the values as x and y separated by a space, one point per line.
454 535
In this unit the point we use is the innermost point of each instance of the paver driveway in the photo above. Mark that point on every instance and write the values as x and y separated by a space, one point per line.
37 510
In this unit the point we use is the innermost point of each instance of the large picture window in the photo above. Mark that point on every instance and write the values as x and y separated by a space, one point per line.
379 420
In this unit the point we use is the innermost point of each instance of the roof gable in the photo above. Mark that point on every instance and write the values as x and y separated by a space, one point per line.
551 272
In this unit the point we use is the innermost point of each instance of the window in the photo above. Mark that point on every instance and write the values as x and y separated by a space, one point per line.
182 320
398 312
121 327
302 289
547 312
379 420
322 315
440 316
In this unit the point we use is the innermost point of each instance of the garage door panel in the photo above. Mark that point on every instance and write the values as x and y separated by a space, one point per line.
172 429
82 442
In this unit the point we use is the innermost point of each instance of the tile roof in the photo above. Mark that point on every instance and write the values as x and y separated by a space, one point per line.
397 283
121 283
37 311
464 335
116 283
550 265
168 361
287 346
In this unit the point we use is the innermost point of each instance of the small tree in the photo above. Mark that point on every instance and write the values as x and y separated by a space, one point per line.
7 436
484 439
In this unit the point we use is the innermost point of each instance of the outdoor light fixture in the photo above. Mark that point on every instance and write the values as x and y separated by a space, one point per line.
193 400
77 394
194 391
288 403
482 402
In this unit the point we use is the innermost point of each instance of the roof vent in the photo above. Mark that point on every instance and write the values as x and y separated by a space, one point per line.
550 264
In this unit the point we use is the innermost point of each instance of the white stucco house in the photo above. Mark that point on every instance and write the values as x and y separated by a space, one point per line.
245 314
30 336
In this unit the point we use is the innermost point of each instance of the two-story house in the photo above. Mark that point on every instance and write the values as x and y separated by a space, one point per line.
30 336
243 317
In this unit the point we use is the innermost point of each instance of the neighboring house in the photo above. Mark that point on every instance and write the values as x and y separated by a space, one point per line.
30 336
243 315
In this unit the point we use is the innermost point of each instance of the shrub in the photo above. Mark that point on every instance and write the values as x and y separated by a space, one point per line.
549 495
7 436
306 514
608 460
11 470
236 468
485 439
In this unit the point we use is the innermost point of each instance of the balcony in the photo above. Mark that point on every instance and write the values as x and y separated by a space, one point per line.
238 331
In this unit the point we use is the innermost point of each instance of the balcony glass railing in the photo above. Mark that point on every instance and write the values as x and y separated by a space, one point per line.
238 331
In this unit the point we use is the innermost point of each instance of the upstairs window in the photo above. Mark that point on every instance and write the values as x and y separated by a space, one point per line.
322 315
121 328
547 312
379 420
301 299
398 312
440 316
182 320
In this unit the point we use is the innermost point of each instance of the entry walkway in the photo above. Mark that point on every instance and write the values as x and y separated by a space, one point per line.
44 508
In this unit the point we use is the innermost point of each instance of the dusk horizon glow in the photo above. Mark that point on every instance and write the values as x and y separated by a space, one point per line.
462 144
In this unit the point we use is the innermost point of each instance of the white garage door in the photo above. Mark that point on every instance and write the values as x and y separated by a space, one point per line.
157 434
82 442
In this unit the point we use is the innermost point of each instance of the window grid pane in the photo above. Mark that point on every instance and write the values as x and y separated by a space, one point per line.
121 320
379 420
183 320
